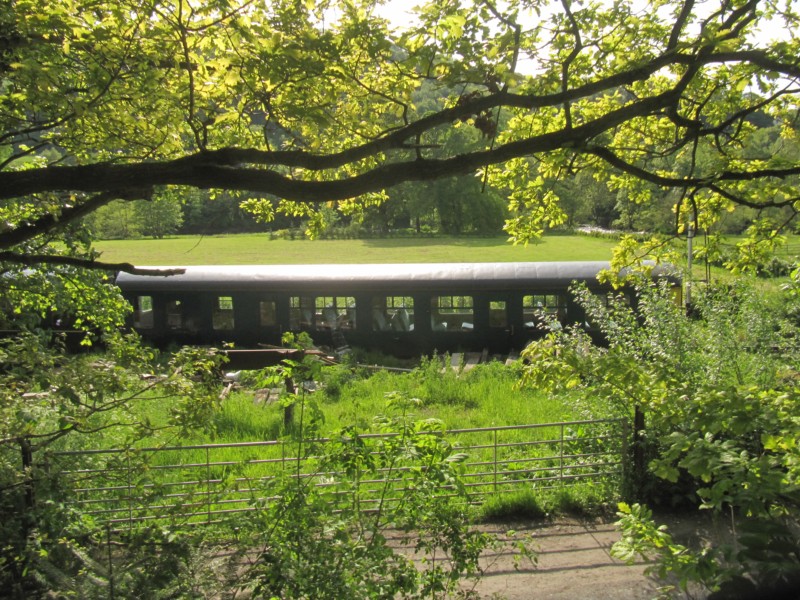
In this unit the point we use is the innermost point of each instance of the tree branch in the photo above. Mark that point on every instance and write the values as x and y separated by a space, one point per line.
710 183
213 169
84 263
50 221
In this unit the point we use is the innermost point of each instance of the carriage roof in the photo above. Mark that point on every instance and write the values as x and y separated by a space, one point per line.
398 278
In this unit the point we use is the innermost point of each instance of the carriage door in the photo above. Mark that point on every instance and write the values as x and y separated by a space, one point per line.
500 326
270 311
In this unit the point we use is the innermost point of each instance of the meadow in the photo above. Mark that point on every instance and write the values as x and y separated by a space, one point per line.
260 249
488 395
223 476
347 395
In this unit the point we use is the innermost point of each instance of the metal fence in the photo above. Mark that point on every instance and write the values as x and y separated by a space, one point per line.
208 483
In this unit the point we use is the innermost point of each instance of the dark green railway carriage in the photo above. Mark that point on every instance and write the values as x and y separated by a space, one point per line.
402 309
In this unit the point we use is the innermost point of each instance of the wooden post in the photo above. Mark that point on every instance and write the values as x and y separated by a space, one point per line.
288 411
638 451
28 520
27 470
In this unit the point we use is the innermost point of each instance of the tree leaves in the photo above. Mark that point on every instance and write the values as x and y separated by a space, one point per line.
317 105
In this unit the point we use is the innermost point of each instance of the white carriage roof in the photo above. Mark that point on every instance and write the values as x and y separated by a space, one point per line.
365 277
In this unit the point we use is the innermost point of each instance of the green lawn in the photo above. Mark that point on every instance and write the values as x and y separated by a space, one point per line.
259 249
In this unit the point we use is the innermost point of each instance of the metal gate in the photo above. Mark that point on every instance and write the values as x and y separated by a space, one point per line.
202 484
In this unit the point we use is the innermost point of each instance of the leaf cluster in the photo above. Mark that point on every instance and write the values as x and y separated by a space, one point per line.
346 539
719 392
311 106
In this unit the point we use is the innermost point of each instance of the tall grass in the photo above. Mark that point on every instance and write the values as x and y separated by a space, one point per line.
487 395
516 467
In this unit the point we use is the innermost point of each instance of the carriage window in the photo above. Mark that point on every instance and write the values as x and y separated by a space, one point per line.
451 313
222 318
143 312
538 307
335 312
268 314
301 312
174 314
393 313
498 316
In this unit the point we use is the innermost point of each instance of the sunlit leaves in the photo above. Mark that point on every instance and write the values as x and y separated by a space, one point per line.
761 243
719 391
655 101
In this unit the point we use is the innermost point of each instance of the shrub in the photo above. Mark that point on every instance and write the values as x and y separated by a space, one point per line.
720 394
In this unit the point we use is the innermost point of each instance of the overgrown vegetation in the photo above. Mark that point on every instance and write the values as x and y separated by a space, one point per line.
719 393
297 539
314 115
484 396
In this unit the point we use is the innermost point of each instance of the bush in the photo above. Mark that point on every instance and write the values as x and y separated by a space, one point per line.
720 393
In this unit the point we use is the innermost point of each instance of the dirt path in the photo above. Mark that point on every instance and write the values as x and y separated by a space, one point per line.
574 562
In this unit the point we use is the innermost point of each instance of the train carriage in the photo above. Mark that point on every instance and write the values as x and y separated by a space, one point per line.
401 309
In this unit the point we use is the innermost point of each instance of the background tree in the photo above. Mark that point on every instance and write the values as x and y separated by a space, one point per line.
114 221
314 103
222 213
161 215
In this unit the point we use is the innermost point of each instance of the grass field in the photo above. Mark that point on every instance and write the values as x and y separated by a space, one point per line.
487 396
222 478
259 249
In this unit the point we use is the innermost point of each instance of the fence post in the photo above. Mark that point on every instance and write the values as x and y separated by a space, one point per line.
638 451
288 410
26 451
29 499
130 493
111 593
561 459
208 485
495 460
624 459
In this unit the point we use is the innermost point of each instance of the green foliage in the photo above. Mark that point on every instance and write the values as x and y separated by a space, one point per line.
348 395
322 542
161 215
195 382
439 384
642 538
719 391
66 298
115 221
52 400
574 500
157 217
521 505
314 112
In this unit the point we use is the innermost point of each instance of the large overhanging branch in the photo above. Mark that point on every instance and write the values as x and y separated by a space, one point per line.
260 171
217 170
398 138
205 170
